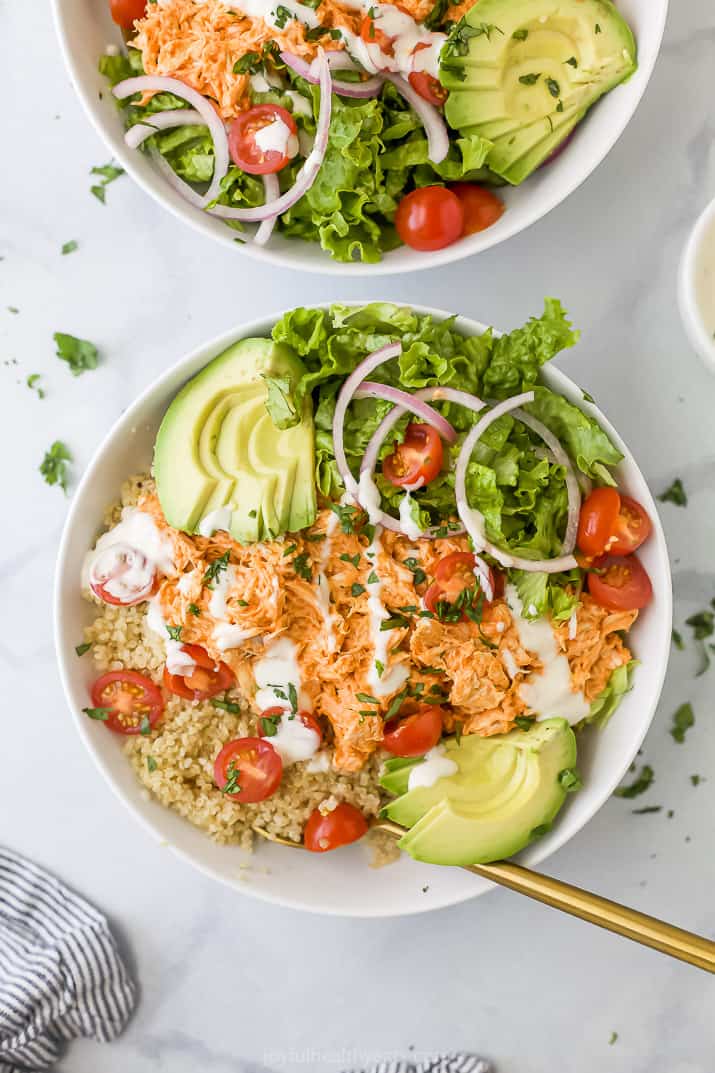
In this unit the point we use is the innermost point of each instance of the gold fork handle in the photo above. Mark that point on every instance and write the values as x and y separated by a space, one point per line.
641 928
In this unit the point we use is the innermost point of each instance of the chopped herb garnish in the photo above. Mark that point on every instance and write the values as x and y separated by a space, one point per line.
231 786
683 719
696 780
215 569
520 35
290 549
293 697
530 79
639 785
194 610
408 609
553 87
302 566
145 726
247 64
367 698
678 640
242 603
458 727
174 632
33 382
69 247
675 493
395 704
79 354
613 1038
81 649
394 622
646 809
560 106
432 670
572 61
97 713
356 589
54 465
313 538
347 516
150 764
354 559
226 705
702 625
314 4
108 173
372 578
252 513
570 780
524 722
282 15
379 667
269 725
587 398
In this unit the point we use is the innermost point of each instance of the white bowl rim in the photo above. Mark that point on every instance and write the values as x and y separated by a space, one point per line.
700 340
419 261
538 851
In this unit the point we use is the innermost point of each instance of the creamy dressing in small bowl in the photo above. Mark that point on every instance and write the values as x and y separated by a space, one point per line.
696 286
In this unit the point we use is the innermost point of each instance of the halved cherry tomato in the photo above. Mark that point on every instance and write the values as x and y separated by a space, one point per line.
248 770
429 218
481 207
621 583
245 151
373 35
204 680
131 698
344 824
597 521
453 574
632 528
415 734
418 459
126 12
129 569
428 87
306 719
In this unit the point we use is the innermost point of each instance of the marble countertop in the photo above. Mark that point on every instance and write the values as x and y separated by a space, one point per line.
225 978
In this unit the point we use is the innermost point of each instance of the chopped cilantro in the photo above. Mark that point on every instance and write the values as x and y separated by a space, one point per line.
69 247
302 566
683 719
646 809
231 786
226 705
281 16
150 764
675 493
520 35
269 725
174 632
612 1039
354 559
696 780
79 354
33 382
145 726
367 698
379 667
293 697
553 87
639 785
678 640
347 515
54 465
530 79
108 173
572 61
194 610
84 647
524 722
702 625
290 549
357 589
395 705
97 713
372 578
570 780
247 64
215 569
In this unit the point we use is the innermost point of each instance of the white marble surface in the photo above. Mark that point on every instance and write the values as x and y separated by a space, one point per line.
223 978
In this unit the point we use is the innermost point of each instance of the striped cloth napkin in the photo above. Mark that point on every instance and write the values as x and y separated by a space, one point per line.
61 975
441 1063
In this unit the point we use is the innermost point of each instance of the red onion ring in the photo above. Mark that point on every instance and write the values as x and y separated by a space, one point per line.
265 228
160 84
406 401
308 172
187 192
176 117
472 519
435 128
358 90
572 486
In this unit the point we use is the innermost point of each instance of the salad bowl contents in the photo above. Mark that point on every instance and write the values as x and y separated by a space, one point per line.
383 565
363 127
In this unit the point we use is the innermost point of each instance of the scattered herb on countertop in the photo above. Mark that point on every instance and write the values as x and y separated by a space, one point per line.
613 1038
13 309
703 625
54 465
677 638
646 809
683 719
107 173
675 494
696 780
69 247
79 354
33 382
84 647
639 785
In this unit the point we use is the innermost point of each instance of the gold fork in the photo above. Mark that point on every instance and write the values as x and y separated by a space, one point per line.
641 928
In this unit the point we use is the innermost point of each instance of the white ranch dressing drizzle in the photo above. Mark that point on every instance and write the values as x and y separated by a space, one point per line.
547 693
408 525
139 531
369 498
436 765
392 678
275 673
225 635
323 584
177 661
293 740
276 137
267 10
218 608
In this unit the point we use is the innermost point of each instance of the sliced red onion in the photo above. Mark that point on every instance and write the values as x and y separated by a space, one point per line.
430 416
359 90
187 192
176 117
340 60
160 84
474 521
432 120
572 487
272 190
309 171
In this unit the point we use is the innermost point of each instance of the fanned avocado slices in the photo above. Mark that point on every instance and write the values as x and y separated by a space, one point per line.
522 73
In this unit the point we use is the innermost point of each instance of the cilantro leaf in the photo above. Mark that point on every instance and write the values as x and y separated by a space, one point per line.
683 719
639 785
675 493
79 354
54 465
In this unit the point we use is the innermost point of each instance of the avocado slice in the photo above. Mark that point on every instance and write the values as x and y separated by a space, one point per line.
522 73
218 446
507 791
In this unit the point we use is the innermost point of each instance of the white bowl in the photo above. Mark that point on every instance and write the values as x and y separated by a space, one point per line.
701 338
85 28
340 883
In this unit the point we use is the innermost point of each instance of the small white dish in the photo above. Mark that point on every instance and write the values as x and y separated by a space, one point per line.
85 29
339 883
698 259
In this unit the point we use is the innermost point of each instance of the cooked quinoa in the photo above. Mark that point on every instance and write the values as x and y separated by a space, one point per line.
175 762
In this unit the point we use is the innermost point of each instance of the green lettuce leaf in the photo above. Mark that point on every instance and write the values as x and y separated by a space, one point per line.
557 595
583 438
603 707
